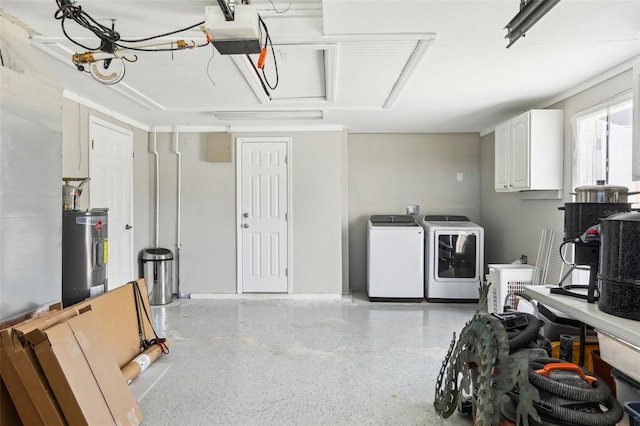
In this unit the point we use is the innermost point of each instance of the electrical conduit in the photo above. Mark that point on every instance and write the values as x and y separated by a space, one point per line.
179 209
157 177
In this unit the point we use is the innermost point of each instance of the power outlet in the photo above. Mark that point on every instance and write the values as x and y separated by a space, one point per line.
460 177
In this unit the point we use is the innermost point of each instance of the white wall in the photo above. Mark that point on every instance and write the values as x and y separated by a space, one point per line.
513 226
30 193
75 162
317 212
388 172
208 253
376 174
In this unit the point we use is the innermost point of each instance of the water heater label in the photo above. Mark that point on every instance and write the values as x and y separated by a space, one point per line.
105 244
96 290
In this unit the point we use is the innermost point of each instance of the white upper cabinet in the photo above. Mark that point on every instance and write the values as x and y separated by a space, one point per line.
503 157
528 152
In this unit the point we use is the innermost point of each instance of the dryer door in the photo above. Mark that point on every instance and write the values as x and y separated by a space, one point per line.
456 256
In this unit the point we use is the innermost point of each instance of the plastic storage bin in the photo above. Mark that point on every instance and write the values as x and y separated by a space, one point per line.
620 354
507 279
627 390
588 360
633 411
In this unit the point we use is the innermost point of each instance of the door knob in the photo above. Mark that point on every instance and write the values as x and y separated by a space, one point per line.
127 227
245 225
245 215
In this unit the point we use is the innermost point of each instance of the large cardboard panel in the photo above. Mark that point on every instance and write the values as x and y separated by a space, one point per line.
115 310
83 373
105 370
26 384
69 374
21 371
8 414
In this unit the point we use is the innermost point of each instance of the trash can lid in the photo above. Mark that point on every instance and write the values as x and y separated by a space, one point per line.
157 254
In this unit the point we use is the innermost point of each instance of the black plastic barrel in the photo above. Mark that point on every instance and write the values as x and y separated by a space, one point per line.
620 265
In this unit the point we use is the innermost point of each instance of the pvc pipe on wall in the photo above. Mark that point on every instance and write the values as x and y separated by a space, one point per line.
179 201
179 208
157 177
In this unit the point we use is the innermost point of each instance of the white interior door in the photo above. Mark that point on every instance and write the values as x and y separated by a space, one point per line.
263 217
110 169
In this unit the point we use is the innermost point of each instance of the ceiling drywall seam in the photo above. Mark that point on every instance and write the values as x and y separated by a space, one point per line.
594 81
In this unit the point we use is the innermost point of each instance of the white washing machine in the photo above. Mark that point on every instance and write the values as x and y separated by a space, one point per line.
454 259
395 258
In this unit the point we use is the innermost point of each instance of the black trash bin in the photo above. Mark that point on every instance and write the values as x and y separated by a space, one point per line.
157 264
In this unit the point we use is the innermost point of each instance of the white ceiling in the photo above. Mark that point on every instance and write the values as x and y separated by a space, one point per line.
343 58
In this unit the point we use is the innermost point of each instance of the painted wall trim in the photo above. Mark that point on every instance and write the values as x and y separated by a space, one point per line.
97 107
200 129
262 128
268 296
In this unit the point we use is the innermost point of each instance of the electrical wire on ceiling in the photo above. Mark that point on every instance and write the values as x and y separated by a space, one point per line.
268 42
276 10
67 10
112 46
213 51
109 37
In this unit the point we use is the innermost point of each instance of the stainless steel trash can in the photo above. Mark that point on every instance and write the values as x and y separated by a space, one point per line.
157 264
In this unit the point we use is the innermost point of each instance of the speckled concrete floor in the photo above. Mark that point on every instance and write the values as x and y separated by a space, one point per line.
292 362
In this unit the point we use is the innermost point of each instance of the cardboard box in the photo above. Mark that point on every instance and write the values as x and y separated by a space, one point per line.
8 414
116 311
83 373
25 381
21 372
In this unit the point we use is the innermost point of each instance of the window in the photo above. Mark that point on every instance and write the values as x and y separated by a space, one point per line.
603 144
603 150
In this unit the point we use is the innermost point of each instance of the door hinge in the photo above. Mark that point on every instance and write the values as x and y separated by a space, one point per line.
93 144
286 272
286 159
133 155
286 216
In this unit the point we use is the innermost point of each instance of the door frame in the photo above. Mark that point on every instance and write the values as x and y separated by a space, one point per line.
238 149
95 120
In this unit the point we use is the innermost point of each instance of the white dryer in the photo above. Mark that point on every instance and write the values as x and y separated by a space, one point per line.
395 258
454 259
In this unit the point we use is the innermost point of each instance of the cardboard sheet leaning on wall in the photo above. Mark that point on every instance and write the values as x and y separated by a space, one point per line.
122 323
84 377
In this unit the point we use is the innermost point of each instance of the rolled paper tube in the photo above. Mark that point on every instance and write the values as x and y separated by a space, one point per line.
141 362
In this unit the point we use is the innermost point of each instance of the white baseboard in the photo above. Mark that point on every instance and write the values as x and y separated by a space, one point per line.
265 296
